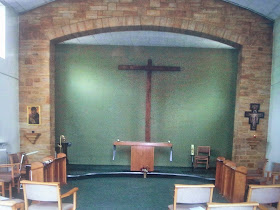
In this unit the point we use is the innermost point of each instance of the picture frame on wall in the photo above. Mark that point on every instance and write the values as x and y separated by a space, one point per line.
34 115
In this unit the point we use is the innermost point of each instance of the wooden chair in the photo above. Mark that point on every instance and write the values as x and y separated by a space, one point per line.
48 194
190 196
9 175
16 158
257 176
232 206
202 156
265 195
12 204
272 177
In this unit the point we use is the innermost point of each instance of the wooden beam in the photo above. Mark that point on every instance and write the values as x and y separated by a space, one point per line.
149 68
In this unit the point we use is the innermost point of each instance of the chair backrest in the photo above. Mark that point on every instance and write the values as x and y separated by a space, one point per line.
203 150
232 206
276 167
41 191
192 194
264 194
261 166
14 158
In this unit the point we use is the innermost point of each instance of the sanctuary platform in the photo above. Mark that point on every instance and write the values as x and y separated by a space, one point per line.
87 171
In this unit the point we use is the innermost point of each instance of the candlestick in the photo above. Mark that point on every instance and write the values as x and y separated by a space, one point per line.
192 149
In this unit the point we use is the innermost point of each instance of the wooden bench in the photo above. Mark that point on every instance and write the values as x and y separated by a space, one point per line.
50 170
230 180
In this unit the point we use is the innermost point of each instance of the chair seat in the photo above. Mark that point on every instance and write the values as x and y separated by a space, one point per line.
186 206
16 175
5 178
50 206
268 207
201 157
15 201
262 181
252 174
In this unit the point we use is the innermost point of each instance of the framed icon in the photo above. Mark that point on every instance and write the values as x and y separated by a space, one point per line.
34 115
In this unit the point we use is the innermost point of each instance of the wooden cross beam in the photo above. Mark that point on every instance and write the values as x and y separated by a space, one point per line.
149 68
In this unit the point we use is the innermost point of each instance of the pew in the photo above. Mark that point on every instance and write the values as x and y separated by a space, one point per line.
219 172
239 184
50 169
228 174
230 180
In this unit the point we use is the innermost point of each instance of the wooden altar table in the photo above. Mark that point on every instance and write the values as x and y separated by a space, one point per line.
142 153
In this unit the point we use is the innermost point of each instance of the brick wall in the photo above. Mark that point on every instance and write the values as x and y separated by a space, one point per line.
41 28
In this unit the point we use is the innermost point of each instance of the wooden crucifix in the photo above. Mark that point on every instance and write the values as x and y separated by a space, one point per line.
149 68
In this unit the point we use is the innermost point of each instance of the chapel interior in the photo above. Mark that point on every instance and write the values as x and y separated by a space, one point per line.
129 104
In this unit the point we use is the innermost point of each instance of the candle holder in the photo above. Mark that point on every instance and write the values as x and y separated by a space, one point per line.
145 170
192 149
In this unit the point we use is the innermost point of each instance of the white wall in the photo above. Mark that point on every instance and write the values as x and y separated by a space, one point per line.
273 147
9 91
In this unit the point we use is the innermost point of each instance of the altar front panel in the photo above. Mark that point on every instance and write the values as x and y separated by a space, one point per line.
142 157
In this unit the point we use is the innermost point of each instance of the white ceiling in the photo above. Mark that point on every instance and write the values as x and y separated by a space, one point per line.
147 38
267 8
22 6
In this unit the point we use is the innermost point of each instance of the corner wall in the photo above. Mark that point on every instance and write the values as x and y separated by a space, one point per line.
214 19
274 118
9 82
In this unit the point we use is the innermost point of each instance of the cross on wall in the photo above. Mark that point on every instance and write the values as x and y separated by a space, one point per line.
254 116
149 68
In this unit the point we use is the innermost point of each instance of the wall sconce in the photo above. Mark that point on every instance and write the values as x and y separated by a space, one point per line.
32 137
253 142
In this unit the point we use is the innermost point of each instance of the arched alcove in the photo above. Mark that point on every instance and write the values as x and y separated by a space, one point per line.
97 104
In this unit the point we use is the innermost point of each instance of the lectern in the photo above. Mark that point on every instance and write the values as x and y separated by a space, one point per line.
142 153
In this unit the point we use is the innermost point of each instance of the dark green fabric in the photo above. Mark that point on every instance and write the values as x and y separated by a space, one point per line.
96 103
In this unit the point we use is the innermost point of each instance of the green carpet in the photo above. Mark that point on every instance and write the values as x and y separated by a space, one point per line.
131 191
